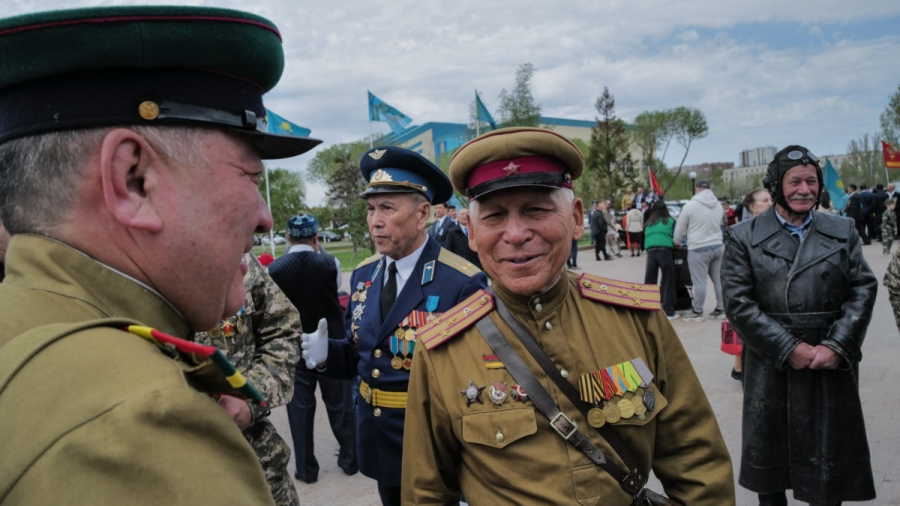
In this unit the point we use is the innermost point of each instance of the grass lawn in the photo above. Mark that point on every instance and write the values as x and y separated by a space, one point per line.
342 250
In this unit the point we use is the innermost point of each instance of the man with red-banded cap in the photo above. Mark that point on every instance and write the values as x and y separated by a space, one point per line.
131 141
549 387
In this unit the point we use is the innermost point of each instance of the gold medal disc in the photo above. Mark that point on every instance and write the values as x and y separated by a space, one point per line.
362 296
638 402
355 297
596 418
626 408
612 412
399 334
410 335
397 363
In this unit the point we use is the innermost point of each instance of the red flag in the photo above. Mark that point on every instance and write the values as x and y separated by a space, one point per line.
654 184
891 156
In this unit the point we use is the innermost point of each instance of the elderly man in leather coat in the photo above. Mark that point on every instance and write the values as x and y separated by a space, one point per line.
800 294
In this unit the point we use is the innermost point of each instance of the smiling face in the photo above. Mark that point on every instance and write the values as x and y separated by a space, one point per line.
397 222
212 212
524 235
800 186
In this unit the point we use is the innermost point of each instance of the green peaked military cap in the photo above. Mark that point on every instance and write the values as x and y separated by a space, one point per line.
142 65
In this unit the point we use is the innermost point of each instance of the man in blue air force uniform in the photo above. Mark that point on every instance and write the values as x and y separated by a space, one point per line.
410 282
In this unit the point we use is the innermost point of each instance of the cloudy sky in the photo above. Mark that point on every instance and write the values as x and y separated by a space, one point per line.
768 72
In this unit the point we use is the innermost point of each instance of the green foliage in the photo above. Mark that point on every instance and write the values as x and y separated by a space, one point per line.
890 120
864 163
609 167
654 133
732 189
517 107
687 125
338 167
287 195
325 215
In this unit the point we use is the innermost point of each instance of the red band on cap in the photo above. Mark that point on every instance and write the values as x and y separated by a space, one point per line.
524 165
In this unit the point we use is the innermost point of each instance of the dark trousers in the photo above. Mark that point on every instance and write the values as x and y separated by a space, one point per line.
337 397
573 255
869 220
660 259
600 246
390 496
861 229
778 499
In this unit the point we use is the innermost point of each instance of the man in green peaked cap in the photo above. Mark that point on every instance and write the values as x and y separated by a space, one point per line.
131 141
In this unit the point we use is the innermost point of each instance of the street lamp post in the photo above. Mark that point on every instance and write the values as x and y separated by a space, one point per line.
693 176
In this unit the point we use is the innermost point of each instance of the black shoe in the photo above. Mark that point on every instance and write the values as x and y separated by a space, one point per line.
619 255
639 253
738 375
350 471
308 482
609 258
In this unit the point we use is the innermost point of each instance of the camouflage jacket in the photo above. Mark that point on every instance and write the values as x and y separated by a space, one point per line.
262 340
892 282
889 221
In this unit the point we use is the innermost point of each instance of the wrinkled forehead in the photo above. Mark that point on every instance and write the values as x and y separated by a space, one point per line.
800 172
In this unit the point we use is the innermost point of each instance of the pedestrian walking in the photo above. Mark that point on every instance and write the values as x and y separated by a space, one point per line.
888 226
634 227
658 243
701 220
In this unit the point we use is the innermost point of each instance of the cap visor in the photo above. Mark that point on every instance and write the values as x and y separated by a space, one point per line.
275 146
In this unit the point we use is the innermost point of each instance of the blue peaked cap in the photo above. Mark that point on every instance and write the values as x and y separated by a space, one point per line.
389 169
303 226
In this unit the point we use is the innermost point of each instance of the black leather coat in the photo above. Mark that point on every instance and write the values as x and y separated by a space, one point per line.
802 429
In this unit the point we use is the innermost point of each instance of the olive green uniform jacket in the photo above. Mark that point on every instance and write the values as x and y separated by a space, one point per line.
509 454
103 416
263 342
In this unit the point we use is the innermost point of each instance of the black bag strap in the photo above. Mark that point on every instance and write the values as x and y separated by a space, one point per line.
632 482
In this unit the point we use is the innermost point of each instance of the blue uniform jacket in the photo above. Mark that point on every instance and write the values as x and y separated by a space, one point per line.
380 438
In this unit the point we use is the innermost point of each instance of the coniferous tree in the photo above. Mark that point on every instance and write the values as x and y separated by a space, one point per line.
609 162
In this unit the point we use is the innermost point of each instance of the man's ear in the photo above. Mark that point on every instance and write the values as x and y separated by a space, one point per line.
129 169
424 212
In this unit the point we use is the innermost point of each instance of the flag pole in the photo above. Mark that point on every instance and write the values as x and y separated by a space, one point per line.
477 121
371 135
269 204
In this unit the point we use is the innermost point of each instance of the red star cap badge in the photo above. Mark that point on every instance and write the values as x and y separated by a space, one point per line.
512 168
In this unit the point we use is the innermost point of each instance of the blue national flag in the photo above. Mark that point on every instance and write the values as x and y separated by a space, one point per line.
482 113
835 186
382 111
279 125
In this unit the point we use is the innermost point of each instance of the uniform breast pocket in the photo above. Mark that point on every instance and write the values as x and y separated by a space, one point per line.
645 407
500 428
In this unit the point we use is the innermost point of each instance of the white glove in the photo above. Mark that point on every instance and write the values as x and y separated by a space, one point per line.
315 346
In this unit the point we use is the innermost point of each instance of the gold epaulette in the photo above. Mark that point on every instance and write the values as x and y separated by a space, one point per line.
374 258
457 262
457 319
619 293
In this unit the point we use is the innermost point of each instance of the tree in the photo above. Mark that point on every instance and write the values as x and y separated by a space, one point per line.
890 120
609 160
287 195
653 130
338 168
517 107
687 125
864 163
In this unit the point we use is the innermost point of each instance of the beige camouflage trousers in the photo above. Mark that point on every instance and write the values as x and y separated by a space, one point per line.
274 455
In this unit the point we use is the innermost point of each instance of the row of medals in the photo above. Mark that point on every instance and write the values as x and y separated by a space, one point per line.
402 360
615 410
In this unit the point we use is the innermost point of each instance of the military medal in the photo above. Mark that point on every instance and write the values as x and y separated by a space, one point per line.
472 393
228 329
649 400
397 363
519 394
215 333
407 363
498 393
596 417
626 408
355 297
410 335
431 305
358 311
240 326
639 408
399 334
612 413
362 296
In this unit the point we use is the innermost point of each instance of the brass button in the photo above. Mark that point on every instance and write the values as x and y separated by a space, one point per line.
499 437
377 353
377 412
376 373
564 373
148 110
548 326
538 308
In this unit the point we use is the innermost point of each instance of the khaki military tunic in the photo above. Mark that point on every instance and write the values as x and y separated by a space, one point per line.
263 342
102 416
509 454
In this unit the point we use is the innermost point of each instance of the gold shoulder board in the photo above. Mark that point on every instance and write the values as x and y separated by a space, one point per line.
374 258
459 318
619 293
457 262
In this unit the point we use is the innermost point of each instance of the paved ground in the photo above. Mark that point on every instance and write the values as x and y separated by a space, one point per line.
879 392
